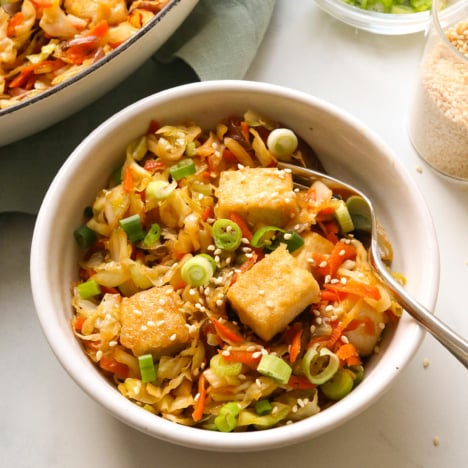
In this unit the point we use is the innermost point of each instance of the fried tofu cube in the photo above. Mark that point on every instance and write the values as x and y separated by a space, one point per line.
153 323
260 195
272 293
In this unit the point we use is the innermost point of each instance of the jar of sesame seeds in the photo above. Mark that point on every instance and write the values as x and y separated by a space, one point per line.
438 121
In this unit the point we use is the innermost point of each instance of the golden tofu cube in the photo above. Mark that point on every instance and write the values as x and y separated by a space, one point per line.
272 293
153 323
262 196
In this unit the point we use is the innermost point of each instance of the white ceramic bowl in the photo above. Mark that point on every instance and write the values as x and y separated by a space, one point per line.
374 21
347 149
53 105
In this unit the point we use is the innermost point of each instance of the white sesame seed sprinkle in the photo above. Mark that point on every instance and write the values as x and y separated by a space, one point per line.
173 337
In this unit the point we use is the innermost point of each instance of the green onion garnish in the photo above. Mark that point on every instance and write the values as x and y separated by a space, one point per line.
274 367
282 142
319 366
360 213
265 237
343 217
227 234
147 369
182 169
339 385
270 237
89 289
226 421
159 189
133 228
197 271
263 407
222 368
152 236
84 236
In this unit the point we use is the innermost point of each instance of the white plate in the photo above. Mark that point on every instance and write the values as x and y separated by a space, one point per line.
57 103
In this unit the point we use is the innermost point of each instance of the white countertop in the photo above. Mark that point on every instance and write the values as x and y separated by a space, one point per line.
47 421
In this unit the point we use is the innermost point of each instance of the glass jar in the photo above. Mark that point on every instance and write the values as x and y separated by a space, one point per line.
438 121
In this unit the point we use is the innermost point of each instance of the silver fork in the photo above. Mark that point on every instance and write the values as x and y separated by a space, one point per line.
457 345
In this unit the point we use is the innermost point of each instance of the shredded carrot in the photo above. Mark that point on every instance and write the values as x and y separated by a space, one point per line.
127 182
295 345
153 127
226 332
300 383
200 403
249 358
246 232
229 156
341 252
153 165
348 354
335 336
354 287
109 364
16 20
79 323
245 130
207 213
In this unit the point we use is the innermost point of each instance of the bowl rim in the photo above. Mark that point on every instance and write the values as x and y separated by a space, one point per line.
94 66
158 427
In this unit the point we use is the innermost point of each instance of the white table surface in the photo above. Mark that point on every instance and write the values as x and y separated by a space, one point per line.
47 421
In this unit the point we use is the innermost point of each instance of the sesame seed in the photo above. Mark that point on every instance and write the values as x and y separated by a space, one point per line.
137 312
294 409
257 354
261 292
436 441
258 382
344 280
327 279
342 252
226 353
143 328
425 363
381 325
150 323
211 247
219 302
113 343
98 355
160 323
318 320
344 339
322 264
218 252
329 308
173 337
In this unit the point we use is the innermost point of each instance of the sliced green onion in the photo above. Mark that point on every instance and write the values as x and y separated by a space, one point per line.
339 385
191 149
152 236
343 217
147 369
292 240
360 213
159 189
250 418
89 289
197 271
227 234
263 407
319 366
182 169
133 228
84 236
226 421
137 148
223 368
274 367
282 142
265 237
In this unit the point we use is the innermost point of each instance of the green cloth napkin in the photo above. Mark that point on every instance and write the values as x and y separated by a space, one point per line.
218 40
